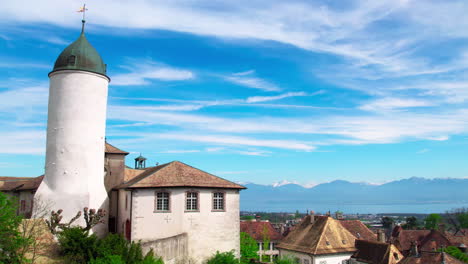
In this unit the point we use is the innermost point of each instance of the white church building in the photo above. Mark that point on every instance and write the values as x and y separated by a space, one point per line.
184 214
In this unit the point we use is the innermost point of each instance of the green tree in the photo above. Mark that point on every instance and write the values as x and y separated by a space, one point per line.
432 221
387 221
286 260
456 253
248 248
223 258
411 223
11 240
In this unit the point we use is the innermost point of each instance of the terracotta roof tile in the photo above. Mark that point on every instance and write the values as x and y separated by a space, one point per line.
113 150
376 252
431 258
257 230
433 241
359 230
403 238
177 174
19 183
325 236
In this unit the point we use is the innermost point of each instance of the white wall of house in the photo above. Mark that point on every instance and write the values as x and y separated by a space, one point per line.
340 258
207 231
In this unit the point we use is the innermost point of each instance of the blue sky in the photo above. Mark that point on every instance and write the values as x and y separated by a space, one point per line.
257 91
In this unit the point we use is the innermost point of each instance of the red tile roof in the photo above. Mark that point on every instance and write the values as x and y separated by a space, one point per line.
19 183
403 238
177 174
376 252
433 241
359 230
114 150
431 258
258 230
324 236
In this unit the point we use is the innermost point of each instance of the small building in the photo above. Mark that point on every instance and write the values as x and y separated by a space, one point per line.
318 240
263 232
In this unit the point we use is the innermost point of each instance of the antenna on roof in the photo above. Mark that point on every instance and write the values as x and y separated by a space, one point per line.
83 21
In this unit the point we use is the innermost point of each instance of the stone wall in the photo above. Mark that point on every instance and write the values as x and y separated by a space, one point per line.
174 249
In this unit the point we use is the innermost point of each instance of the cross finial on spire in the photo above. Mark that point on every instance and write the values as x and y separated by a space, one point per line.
83 21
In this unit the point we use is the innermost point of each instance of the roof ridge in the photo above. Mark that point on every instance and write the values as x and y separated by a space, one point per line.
143 176
208 173
321 234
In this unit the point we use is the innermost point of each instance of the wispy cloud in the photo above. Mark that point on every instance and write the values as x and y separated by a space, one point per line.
257 99
422 151
180 151
390 103
144 73
248 79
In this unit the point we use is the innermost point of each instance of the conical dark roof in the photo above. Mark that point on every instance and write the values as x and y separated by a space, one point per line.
80 55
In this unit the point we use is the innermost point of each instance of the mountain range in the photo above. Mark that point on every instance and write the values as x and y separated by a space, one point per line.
399 196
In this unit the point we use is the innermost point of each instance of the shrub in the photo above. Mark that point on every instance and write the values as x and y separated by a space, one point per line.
76 245
456 253
223 258
248 248
286 260
110 259
10 237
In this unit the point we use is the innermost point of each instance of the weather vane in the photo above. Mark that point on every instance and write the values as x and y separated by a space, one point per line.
83 10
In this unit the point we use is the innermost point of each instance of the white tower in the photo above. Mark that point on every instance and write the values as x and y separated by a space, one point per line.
74 169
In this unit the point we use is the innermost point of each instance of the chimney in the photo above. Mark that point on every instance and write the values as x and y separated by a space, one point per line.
312 217
381 236
257 217
462 247
414 249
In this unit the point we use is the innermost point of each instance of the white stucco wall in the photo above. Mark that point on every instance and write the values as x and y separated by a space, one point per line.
74 169
316 259
207 231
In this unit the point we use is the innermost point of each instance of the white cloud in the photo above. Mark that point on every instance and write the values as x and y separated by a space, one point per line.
422 151
257 99
390 103
235 141
248 79
143 73
180 151
23 142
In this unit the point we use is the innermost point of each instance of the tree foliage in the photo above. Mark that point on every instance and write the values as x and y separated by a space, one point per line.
223 258
432 221
411 223
387 221
456 253
286 260
11 240
248 248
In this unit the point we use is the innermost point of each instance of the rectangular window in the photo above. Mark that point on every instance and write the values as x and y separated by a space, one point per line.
162 201
191 201
218 201
23 205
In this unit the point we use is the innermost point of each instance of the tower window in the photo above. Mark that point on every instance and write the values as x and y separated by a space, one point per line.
71 60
